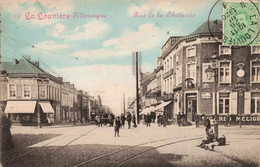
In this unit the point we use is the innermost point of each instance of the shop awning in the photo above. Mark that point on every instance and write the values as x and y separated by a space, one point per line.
163 104
20 107
147 110
46 107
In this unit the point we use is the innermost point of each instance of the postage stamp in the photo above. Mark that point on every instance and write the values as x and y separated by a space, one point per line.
240 23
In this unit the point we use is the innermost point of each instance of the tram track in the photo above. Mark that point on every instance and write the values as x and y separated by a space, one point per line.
44 146
38 148
131 147
61 147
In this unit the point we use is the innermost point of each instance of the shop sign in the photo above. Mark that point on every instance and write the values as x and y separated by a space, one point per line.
248 118
205 95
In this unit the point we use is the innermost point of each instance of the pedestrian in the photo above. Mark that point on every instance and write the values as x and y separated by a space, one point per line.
129 118
227 120
134 121
145 119
6 137
159 120
96 119
117 126
164 121
149 119
123 120
207 126
179 119
197 120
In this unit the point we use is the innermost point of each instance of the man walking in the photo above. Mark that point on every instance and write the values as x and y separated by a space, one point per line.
129 118
117 126
197 121
149 119
123 120
134 121
227 120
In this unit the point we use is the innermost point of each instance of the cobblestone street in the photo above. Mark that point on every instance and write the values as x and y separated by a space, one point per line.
141 146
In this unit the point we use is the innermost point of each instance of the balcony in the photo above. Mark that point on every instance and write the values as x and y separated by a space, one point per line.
167 96
168 73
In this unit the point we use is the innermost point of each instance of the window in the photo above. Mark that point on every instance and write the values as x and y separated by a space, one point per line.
165 85
167 65
42 91
191 51
178 75
26 91
170 62
224 103
255 103
177 58
255 76
170 85
12 90
255 49
224 50
191 70
224 72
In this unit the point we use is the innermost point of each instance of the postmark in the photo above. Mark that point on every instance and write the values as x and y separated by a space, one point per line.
240 23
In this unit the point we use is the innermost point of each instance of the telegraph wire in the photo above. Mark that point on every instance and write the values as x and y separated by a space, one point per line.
26 43
66 43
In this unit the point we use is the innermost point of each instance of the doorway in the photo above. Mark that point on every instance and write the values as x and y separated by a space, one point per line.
191 106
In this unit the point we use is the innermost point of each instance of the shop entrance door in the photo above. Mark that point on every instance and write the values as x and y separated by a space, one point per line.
191 107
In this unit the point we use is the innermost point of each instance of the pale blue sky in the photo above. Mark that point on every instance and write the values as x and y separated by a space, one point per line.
98 48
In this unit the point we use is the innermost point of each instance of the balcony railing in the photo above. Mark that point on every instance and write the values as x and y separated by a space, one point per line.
168 73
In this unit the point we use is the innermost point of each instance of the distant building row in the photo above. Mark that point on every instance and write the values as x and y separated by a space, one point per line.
29 94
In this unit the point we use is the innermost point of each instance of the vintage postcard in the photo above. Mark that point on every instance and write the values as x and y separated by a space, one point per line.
129 83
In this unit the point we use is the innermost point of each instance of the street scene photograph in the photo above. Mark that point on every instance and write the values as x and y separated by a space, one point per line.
129 83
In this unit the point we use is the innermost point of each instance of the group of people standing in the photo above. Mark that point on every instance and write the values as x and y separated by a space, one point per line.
161 120
211 141
118 122
181 119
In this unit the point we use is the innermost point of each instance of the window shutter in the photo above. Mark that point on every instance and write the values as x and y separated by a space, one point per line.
233 103
19 91
247 104
34 92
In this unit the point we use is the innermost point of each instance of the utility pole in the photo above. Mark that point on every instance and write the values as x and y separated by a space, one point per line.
124 103
137 88
1 3
38 106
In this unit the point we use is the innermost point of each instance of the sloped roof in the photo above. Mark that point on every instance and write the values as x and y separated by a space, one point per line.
21 66
215 27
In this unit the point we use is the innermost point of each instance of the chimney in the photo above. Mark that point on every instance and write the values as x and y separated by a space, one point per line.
15 61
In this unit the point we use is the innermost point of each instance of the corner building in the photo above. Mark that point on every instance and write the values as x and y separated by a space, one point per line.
192 90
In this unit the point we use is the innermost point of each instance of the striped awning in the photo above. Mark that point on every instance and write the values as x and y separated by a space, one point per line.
13 107
46 107
162 105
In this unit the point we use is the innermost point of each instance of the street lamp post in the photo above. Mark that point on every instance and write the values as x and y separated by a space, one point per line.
214 71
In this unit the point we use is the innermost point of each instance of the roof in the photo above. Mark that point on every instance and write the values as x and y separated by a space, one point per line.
214 25
21 66
203 30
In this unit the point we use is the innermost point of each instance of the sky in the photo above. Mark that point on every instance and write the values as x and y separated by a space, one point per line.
95 52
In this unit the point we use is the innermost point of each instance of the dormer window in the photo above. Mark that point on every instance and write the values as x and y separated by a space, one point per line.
255 49
224 50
